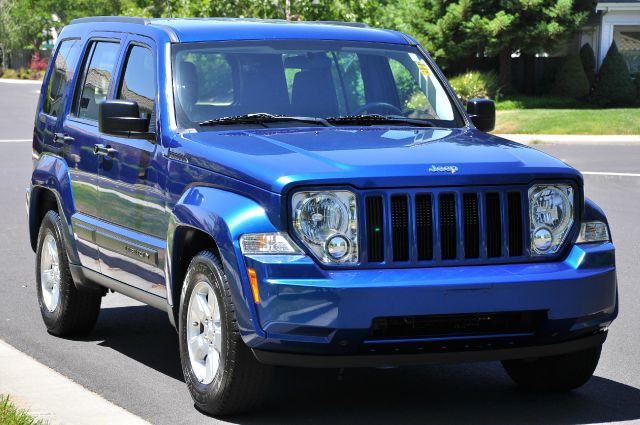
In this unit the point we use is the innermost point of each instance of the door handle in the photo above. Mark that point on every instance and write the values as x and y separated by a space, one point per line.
62 138
104 150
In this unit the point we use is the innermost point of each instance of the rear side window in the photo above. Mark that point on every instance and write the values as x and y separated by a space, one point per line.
61 74
97 74
138 82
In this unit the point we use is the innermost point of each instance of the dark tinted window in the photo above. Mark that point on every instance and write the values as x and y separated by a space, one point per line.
305 78
98 67
61 74
138 81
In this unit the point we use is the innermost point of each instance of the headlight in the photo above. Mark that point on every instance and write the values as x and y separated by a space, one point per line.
593 231
326 221
550 217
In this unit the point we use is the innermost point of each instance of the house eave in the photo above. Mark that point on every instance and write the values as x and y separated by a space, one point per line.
618 6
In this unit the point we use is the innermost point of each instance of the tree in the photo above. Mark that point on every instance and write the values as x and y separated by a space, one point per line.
588 59
494 28
26 24
614 86
571 80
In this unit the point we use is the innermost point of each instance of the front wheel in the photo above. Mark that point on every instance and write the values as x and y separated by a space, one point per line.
221 373
556 373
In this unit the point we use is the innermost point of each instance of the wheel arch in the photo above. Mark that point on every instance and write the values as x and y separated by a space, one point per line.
51 190
213 218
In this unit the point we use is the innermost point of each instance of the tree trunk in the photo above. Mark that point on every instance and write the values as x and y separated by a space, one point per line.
287 10
505 70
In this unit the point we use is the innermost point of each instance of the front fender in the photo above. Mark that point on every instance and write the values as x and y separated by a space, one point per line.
52 173
224 216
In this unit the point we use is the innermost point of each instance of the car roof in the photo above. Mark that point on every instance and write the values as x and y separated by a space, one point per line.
221 29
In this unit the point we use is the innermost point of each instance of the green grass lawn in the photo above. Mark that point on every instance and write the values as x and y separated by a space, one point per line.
568 121
11 415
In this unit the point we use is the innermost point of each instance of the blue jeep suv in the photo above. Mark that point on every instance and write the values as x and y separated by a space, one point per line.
306 194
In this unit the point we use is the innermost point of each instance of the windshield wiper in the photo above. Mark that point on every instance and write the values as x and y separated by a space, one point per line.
262 119
372 119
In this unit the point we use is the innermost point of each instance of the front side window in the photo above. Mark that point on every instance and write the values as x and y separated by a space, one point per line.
61 74
98 71
306 78
138 82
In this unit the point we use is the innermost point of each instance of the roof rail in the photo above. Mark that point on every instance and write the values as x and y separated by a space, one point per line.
121 19
342 23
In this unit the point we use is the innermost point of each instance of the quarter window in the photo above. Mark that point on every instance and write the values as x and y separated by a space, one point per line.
61 74
138 82
98 72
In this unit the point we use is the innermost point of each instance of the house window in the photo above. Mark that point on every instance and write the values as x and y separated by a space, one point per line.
627 38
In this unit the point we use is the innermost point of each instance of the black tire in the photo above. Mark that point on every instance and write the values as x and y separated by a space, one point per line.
76 312
561 373
240 383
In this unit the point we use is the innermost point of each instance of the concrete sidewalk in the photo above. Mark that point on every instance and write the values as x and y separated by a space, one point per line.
572 139
48 395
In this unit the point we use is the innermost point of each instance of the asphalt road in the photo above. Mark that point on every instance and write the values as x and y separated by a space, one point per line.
132 356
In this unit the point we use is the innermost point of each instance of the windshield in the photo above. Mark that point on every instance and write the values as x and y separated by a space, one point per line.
305 78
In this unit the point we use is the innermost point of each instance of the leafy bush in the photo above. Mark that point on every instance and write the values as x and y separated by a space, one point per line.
571 80
10 73
37 63
22 74
588 58
614 86
476 84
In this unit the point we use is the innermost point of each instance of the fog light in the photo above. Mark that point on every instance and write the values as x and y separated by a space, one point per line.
542 239
337 247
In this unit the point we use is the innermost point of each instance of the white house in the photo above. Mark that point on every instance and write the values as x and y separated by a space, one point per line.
618 21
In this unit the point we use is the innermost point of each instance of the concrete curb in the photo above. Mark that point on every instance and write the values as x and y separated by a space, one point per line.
16 81
48 395
572 139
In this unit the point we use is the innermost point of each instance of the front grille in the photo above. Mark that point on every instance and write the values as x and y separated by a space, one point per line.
447 226
457 325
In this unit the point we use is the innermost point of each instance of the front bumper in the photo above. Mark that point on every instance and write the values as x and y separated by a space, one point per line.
326 316
442 357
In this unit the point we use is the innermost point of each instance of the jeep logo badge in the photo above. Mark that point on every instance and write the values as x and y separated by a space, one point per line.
443 169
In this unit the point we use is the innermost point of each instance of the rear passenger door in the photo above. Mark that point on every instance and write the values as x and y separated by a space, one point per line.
80 132
131 196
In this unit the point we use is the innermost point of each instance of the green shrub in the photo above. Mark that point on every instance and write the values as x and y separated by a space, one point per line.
571 80
10 73
475 84
588 58
24 73
614 86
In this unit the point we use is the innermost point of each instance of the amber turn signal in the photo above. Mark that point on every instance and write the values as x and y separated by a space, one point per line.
253 280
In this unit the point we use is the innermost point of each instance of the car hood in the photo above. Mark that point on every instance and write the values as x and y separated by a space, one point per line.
368 157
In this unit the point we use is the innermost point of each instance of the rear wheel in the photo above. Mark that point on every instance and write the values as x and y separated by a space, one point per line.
65 310
554 374
222 374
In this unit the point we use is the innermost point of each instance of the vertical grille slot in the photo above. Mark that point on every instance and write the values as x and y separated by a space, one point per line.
375 229
424 227
471 225
494 225
448 238
400 227
514 210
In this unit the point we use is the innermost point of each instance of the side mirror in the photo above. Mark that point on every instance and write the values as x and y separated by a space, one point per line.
122 118
482 113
